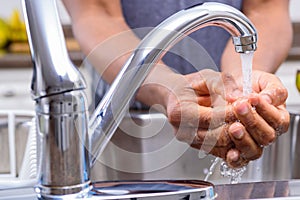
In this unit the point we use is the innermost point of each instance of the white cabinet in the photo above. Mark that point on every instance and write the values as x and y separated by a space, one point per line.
15 89
15 86
287 74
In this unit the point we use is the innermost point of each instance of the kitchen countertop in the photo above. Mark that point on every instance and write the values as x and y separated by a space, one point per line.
256 190
17 55
23 60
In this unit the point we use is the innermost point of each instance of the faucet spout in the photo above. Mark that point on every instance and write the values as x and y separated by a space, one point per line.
112 108
61 110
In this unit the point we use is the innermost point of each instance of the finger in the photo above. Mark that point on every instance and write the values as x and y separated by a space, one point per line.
187 114
186 135
255 125
212 118
234 160
232 91
216 83
275 96
204 101
278 117
270 88
218 151
243 142
214 141
190 114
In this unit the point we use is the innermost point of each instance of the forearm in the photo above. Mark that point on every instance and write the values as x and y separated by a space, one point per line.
107 42
271 19
102 33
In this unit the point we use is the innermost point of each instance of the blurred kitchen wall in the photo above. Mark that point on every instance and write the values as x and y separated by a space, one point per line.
8 6
294 10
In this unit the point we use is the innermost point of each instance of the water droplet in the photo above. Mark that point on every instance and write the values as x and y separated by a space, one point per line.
235 174
205 170
202 154
212 168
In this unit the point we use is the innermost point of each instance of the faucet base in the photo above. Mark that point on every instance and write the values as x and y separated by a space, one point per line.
65 192
153 190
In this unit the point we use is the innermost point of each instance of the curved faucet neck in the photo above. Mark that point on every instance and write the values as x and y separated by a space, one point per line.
112 108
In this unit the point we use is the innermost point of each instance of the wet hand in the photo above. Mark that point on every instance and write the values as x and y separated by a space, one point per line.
262 118
198 110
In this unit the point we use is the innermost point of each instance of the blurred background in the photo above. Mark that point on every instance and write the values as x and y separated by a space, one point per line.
16 65
15 61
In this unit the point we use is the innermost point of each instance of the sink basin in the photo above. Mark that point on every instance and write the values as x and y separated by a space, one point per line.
17 148
138 190
144 147
260 190
278 190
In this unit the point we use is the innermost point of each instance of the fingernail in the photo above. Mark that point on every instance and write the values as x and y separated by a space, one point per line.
254 99
233 156
267 98
236 94
242 108
238 134
236 131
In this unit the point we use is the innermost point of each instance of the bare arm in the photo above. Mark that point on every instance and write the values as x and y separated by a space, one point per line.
271 18
186 99
93 22
107 41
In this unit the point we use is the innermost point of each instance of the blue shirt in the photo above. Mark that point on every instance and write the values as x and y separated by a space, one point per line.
190 58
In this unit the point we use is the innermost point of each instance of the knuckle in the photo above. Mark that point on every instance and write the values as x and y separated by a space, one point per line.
258 153
174 116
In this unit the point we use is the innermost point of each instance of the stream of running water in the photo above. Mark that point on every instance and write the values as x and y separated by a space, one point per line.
235 174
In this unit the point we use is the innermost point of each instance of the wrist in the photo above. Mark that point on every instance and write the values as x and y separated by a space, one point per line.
158 85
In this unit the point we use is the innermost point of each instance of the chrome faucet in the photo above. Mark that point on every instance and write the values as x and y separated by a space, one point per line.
70 141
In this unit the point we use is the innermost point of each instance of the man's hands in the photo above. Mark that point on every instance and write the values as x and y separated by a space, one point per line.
208 112
262 118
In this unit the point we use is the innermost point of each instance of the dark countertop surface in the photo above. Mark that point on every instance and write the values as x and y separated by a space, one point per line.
23 60
258 190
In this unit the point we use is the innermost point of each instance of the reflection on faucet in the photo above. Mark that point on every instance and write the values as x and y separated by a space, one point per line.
68 144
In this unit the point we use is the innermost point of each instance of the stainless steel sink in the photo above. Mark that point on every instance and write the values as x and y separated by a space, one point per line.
15 129
144 147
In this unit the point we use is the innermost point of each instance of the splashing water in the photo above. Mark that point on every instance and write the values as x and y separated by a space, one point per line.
236 174
212 168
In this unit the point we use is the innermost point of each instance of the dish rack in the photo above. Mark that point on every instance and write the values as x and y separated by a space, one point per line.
25 174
